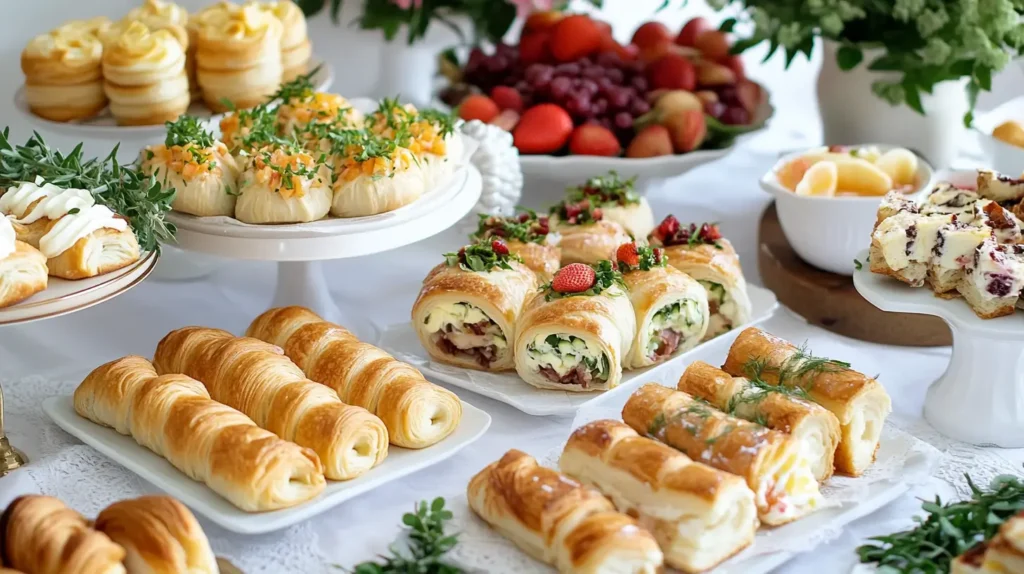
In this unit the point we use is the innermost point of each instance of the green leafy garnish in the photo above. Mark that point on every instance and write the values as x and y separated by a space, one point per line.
299 89
187 130
605 190
796 372
605 276
525 227
857 264
482 257
699 408
428 545
755 394
648 258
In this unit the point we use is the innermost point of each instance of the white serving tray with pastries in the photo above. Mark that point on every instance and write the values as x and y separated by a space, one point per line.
151 467
507 387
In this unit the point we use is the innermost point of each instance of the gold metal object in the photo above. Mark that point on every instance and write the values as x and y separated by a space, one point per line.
10 457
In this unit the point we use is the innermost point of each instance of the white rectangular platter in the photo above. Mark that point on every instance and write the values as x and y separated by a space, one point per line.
143 462
401 341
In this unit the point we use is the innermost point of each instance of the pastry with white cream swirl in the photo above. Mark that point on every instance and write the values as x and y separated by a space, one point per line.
63 74
22 267
238 58
144 76
296 49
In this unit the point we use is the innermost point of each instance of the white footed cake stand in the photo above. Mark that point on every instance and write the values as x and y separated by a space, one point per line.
980 397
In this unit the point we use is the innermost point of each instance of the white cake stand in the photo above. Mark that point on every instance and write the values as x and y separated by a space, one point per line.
980 397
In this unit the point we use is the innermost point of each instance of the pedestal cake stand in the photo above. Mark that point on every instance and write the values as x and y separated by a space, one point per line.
980 397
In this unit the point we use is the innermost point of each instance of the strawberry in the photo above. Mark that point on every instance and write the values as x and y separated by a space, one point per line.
574 37
713 44
541 21
652 141
543 129
478 107
688 35
659 254
574 278
627 254
687 128
672 72
507 98
592 139
506 120
499 247
650 34
668 227
535 48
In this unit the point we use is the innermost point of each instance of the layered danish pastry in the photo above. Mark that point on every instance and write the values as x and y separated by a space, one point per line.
144 76
238 57
22 267
162 15
527 236
282 184
63 74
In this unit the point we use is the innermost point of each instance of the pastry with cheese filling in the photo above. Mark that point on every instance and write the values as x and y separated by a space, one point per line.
772 463
373 175
894 202
63 74
238 57
560 522
467 309
953 252
163 15
999 188
575 333
528 236
618 201
282 184
144 76
23 270
949 199
671 308
250 130
428 134
778 408
699 515
587 237
902 245
701 252
858 401
1001 221
296 49
994 279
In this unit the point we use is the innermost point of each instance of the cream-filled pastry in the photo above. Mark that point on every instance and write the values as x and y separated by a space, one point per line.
282 185
373 175
63 74
29 202
144 76
212 14
238 58
994 279
429 134
587 237
161 15
296 49
22 267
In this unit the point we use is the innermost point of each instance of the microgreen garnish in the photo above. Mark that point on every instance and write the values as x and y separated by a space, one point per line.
257 126
757 391
482 257
604 190
428 544
443 122
605 276
648 258
187 130
857 264
578 213
525 227
299 89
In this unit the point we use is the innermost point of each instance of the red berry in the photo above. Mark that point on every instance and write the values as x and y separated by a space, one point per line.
658 254
543 129
535 48
574 37
627 254
669 226
672 72
650 34
477 107
688 35
710 232
507 98
597 214
574 278
499 247
524 217
594 140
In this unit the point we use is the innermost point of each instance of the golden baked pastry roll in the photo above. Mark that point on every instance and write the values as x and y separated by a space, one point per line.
373 175
40 535
144 76
467 309
859 402
160 15
255 378
63 74
701 252
778 408
772 463
574 334
23 270
283 184
296 49
417 413
618 201
699 515
238 57
159 536
559 521
586 235
527 236
671 308
212 443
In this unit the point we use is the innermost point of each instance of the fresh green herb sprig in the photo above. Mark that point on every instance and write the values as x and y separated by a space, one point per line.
606 275
648 258
261 125
482 257
443 121
947 530
796 372
141 199
699 408
299 89
755 394
428 545
605 190
187 130
525 227
361 145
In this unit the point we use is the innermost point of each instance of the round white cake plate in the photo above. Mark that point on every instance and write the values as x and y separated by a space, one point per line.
62 296
980 397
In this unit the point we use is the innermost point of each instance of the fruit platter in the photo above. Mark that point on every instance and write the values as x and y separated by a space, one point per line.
575 99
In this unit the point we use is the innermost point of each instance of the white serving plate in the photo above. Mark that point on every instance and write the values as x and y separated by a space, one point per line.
143 462
401 341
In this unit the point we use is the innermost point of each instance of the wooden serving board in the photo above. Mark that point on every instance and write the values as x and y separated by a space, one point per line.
831 301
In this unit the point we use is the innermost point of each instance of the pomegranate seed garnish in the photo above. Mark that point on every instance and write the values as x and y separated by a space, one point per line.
523 218
499 247
597 214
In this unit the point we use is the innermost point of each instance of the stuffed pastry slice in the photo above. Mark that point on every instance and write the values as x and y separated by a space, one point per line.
778 408
22 267
903 245
527 236
699 515
671 307
373 175
559 521
618 200
575 333
586 236
994 279
858 401
772 463
999 188
702 253
467 309
283 184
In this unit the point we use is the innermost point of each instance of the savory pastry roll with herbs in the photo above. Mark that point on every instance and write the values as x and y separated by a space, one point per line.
587 237
859 402
558 521
238 58
283 184
257 379
527 236
671 308
246 132
467 309
778 408
701 252
372 175
416 412
23 270
994 279
428 134
212 443
699 515
144 76
159 534
296 49
575 333
40 535
63 75
200 169
618 201
772 463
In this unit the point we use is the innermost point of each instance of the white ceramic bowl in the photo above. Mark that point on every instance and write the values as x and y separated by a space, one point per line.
829 232
1003 157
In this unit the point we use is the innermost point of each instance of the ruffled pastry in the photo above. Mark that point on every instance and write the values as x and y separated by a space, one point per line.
144 76
92 26
296 49
377 185
205 178
283 186
238 58
160 15
212 14
63 74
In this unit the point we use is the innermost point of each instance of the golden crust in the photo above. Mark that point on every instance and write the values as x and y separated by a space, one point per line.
542 259
22 274
909 275
651 290
102 251
591 242
724 261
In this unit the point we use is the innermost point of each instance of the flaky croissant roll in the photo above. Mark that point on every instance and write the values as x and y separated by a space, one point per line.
699 515
771 462
811 424
159 535
559 521
417 413
591 242
212 443
859 402
255 378
39 535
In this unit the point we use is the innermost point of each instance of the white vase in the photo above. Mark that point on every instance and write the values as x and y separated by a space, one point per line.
852 114
407 72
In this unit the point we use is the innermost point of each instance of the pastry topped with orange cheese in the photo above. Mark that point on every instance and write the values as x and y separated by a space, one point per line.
283 184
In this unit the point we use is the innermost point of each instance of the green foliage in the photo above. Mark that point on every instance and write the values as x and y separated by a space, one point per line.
428 544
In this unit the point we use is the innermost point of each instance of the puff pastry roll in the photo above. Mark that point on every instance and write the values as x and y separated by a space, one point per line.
671 308
283 185
238 57
527 236
1005 551
586 235
22 267
467 309
159 535
772 463
212 443
558 521
702 253
417 413
859 402
777 408
64 75
39 535
576 341
258 380
699 515
618 201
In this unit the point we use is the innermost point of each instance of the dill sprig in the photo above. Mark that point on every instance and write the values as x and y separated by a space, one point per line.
755 394
428 545
797 372
699 408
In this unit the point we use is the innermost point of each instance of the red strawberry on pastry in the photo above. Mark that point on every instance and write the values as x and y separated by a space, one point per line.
574 278
627 254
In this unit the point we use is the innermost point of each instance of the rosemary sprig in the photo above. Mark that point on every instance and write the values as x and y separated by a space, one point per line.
428 544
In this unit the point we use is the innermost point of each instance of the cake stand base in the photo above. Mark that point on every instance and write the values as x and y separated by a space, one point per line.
303 283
